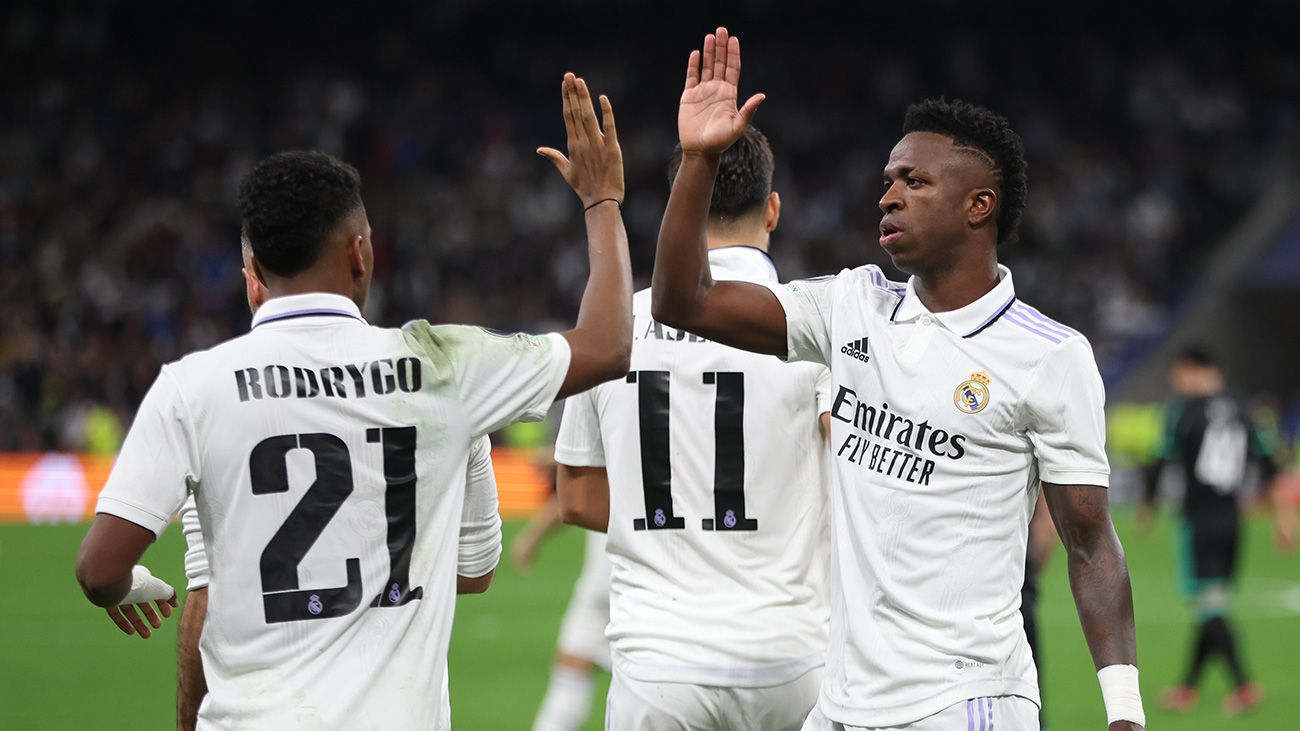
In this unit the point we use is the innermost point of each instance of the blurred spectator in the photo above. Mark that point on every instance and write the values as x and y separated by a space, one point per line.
123 135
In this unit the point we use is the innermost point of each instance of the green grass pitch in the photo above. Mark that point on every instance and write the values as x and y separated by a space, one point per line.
66 667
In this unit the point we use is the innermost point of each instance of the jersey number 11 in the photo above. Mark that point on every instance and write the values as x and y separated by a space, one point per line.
729 453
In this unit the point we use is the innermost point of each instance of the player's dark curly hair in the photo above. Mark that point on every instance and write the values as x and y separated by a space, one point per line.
289 204
989 135
744 175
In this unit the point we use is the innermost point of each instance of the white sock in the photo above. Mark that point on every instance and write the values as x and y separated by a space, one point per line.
568 701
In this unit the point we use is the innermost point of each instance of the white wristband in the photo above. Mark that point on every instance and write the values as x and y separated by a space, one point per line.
145 588
1120 693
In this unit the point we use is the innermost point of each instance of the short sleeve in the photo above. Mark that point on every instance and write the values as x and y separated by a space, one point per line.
1066 419
500 378
196 554
807 305
825 387
158 463
479 548
579 443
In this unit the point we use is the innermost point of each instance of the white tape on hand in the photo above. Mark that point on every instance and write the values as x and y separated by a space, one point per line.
1120 693
145 588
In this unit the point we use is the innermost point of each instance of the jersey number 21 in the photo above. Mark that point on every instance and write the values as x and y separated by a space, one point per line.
282 599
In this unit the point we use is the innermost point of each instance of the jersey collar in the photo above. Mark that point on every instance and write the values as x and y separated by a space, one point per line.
967 321
742 262
314 304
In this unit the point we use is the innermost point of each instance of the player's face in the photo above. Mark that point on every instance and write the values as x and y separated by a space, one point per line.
1183 378
929 188
1190 379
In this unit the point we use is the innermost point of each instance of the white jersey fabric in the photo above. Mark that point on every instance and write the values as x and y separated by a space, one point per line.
718 517
943 425
479 549
328 463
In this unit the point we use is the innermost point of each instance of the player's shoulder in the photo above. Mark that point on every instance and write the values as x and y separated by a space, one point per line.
867 277
1034 325
450 337
874 277
1039 336
201 364
446 345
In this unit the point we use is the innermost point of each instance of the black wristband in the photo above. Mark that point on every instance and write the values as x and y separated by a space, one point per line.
604 200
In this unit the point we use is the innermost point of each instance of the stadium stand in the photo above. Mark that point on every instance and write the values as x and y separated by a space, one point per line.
118 234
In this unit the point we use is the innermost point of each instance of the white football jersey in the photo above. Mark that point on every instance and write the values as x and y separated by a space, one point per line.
718 527
477 553
328 462
942 426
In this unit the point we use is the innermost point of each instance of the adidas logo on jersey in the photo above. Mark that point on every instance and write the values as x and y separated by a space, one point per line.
856 349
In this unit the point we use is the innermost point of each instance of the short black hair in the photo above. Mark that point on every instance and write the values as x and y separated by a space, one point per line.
990 135
289 204
744 175
1197 355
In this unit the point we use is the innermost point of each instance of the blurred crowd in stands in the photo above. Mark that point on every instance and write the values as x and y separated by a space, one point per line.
122 141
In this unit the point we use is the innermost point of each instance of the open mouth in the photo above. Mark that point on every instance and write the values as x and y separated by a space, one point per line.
889 233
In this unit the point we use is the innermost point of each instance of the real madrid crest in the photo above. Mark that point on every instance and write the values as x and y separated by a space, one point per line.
972 396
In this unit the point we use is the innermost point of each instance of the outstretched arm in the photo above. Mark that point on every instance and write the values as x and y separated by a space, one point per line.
1098 577
684 295
601 343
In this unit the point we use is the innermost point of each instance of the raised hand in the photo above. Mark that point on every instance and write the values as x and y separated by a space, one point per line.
594 167
708 120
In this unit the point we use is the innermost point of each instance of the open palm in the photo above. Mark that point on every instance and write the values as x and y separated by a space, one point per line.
708 119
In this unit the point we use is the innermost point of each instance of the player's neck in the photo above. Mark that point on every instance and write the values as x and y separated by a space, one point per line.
311 283
753 239
955 286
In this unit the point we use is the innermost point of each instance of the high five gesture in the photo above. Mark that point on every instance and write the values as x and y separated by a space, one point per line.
594 168
601 342
683 294
708 120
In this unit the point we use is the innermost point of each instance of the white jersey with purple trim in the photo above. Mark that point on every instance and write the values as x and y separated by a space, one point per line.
718 525
942 427
328 459
479 549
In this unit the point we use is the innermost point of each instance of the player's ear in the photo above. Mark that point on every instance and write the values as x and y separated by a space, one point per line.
358 257
983 205
254 289
772 212
255 267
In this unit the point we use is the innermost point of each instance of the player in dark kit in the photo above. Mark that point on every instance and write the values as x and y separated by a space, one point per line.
1210 433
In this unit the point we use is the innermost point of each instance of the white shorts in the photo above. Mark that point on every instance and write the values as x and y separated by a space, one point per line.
636 705
1005 713
582 632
